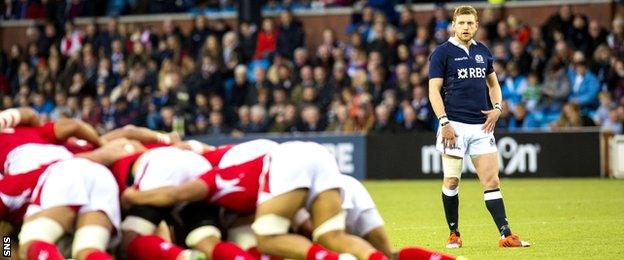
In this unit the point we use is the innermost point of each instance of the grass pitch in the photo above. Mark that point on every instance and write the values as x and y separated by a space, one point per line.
561 218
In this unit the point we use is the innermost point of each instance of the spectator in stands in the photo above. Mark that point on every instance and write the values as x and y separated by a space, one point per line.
407 25
217 104
384 123
422 108
267 40
519 118
597 36
410 121
41 105
571 117
558 22
247 35
606 103
615 79
439 24
377 84
232 53
291 35
585 87
520 57
503 35
240 91
601 64
616 38
311 120
556 88
579 34
257 120
361 118
243 119
514 85
532 93
614 122
338 116
198 34
284 119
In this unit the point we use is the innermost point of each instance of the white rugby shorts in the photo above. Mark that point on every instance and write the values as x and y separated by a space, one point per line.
471 140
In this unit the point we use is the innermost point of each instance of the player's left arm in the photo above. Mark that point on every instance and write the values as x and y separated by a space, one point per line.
13 117
496 98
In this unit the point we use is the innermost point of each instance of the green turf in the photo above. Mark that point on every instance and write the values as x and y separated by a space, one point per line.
562 218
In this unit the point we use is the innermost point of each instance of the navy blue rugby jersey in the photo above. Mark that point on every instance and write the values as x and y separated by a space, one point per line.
464 71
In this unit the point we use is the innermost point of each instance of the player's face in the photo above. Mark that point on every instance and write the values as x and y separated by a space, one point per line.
465 27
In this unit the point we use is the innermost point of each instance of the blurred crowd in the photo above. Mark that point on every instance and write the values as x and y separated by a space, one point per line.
217 80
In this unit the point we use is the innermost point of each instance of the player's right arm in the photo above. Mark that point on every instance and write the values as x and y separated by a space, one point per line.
437 68
435 98
166 196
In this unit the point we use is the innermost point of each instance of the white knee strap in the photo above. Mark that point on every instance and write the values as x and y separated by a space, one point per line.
452 167
198 234
40 229
271 224
9 118
90 237
243 236
138 225
337 222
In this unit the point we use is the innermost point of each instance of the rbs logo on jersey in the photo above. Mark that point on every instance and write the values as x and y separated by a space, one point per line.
471 73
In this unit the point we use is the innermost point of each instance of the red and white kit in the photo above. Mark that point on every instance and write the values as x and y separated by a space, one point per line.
288 166
80 183
159 167
23 149
233 154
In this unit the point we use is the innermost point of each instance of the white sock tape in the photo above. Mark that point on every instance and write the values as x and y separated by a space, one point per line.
138 225
193 238
90 237
42 229
492 195
337 222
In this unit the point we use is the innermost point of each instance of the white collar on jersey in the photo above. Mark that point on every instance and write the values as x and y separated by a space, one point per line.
455 42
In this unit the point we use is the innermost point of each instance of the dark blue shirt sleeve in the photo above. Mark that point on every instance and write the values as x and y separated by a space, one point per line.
437 63
490 61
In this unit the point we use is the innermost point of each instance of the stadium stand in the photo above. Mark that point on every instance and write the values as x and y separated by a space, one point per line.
220 80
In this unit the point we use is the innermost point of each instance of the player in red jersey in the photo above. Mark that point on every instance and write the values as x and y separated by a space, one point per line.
59 197
157 167
291 176
25 145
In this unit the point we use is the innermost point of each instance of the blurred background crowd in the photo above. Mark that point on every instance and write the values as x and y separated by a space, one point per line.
218 80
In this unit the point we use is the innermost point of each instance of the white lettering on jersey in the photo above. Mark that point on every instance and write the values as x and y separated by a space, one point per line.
471 73
461 58
15 202
226 187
